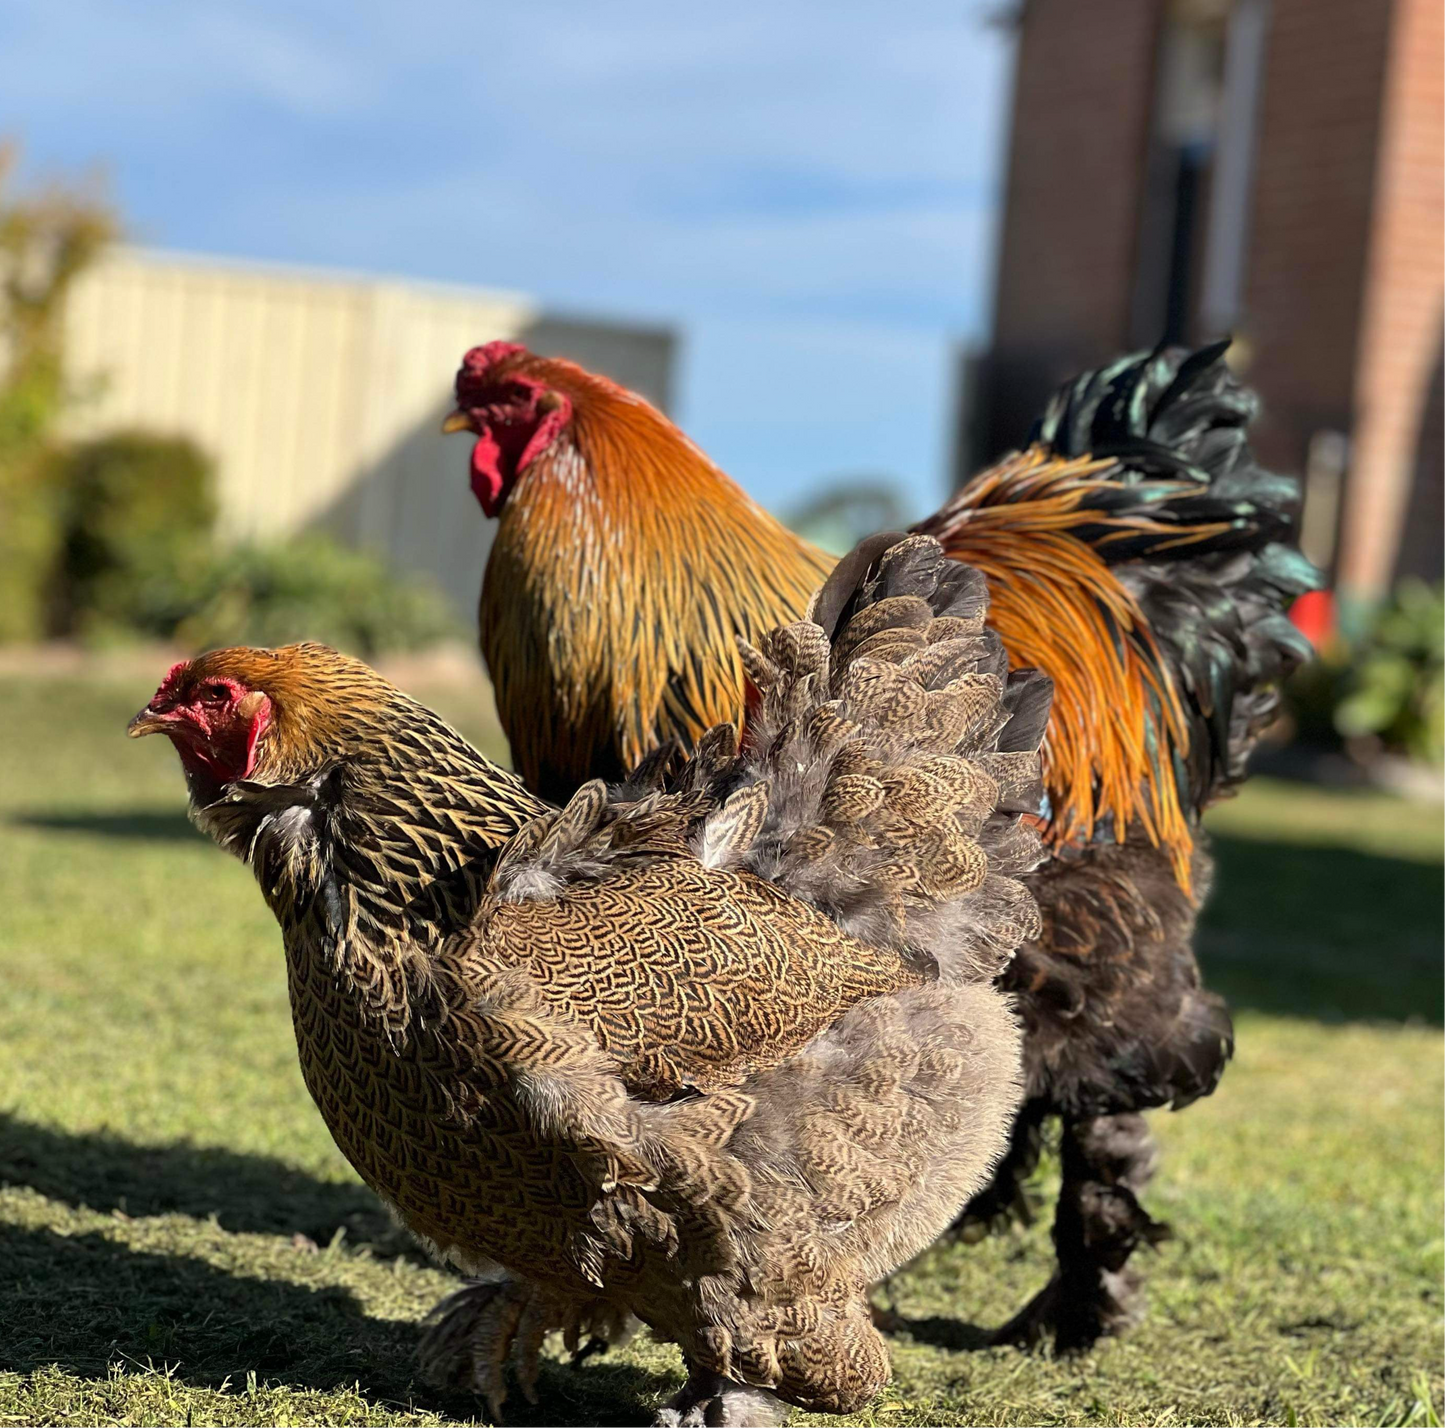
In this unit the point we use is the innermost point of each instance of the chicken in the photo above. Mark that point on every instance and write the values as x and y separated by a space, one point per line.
1134 552
715 1055
605 649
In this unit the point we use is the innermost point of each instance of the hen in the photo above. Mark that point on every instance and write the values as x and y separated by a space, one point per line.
716 1056
1134 552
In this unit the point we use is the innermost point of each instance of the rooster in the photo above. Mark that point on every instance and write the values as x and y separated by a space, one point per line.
1134 551
715 1055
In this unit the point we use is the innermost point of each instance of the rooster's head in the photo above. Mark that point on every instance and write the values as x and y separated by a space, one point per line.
504 397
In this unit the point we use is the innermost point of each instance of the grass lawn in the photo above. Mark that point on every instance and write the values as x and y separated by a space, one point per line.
180 1243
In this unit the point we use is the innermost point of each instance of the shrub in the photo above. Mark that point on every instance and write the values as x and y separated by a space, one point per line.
136 508
846 511
48 237
1314 692
1396 689
304 589
29 539
138 558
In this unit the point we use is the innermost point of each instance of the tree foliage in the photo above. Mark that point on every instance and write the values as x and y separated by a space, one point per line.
48 237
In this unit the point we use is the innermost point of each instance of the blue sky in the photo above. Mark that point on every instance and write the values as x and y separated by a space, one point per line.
807 190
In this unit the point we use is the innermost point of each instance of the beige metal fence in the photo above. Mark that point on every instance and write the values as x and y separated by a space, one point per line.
318 395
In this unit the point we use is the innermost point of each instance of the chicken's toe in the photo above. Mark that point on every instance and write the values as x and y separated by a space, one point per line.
1072 1317
1032 1326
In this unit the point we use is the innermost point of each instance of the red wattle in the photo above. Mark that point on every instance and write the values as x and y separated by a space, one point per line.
487 482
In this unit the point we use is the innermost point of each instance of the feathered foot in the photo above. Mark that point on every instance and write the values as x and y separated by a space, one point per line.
1094 1292
708 1400
472 1336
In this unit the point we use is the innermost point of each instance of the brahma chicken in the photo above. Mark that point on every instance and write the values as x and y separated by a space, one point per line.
1135 552
716 1055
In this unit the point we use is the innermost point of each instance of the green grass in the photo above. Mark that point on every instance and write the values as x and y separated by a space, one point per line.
180 1243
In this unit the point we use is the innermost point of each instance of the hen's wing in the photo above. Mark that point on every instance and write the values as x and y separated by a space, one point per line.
864 840
689 978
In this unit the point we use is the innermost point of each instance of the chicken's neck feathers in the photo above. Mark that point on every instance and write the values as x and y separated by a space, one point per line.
372 861
625 567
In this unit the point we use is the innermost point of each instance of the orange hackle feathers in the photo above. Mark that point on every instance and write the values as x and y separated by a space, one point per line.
665 562
1117 725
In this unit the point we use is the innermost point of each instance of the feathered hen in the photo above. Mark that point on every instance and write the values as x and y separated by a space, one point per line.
716 1054
1134 551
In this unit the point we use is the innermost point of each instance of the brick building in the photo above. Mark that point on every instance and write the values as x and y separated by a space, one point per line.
1270 168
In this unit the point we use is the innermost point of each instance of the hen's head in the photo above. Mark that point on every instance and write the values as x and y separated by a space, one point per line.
271 716
508 398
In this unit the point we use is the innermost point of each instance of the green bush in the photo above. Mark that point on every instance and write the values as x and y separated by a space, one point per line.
30 504
1396 689
138 558
29 540
1313 694
304 589
137 508
48 237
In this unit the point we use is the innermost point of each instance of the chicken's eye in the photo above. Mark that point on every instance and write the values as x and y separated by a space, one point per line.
215 693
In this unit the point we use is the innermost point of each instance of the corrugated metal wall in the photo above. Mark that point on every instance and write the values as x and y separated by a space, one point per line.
319 396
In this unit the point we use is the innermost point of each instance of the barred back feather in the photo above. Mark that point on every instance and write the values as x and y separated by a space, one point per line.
887 761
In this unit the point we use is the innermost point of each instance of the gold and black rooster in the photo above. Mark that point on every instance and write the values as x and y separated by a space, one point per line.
715 1054
1134 551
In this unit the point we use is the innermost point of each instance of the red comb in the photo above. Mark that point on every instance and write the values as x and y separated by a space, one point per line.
172 680
479 359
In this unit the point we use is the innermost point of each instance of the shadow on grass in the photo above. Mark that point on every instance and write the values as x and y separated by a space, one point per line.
1333 934
138 824
952 1334
83 1302
248 1193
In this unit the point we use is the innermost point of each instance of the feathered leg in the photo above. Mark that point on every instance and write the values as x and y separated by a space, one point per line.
472 1337
1107 1162
708 1400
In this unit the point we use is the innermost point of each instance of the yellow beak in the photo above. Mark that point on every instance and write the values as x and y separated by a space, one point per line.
457 421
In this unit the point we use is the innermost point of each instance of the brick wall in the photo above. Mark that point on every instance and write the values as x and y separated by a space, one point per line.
1343 281
1396 435
1083 93
1314 184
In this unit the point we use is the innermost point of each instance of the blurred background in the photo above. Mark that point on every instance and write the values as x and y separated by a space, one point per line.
851 249
244 247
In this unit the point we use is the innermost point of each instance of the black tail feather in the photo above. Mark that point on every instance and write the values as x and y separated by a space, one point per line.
1213 561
